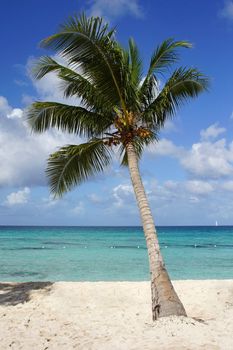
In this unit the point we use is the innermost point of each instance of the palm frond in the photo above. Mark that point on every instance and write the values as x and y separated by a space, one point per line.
131 76
148 95
87 43
135 63
73 164
163 57
182 85
45 65
72 119
73 84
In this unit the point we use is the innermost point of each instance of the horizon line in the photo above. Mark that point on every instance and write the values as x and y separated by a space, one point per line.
228 225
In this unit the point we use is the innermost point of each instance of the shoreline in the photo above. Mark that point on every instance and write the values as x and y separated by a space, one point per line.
113 315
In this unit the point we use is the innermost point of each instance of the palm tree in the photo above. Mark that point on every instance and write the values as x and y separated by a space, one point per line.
119 111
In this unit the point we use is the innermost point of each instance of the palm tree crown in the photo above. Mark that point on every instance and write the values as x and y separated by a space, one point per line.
118 104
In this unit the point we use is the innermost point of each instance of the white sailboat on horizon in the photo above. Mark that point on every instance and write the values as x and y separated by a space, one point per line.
216 223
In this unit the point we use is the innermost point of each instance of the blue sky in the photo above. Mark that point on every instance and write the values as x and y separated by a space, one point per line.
188 175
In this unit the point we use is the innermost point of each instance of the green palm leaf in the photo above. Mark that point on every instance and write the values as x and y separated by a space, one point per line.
73 84
163 57
131 75
73 119
89 45
182 85
73 164
135 63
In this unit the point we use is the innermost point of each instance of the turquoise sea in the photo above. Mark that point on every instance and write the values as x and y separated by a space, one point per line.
112 253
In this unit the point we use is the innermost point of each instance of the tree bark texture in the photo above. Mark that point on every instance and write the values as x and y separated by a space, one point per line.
165 301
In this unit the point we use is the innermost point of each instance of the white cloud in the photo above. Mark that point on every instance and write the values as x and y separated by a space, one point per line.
48 88
50 201
209 159
212 132
20 197
173 202
170 184
7 111
122 195
23 154
94 198
165 147
184 202
206 158
227 11
15 113
198 187
228 185
4 106
184 188
115 8
78 209
170 201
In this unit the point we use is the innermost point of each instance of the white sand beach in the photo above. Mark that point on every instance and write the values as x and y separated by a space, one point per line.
112 316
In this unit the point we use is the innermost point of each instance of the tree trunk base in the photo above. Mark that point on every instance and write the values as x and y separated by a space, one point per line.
165 301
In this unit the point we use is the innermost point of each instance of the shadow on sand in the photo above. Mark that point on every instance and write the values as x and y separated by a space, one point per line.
17 293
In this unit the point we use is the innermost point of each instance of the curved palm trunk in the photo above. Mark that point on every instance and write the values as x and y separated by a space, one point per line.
165 301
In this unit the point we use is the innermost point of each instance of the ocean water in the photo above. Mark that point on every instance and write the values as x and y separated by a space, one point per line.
112 253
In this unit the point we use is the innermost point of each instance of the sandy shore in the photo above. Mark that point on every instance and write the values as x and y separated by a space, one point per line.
112 316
